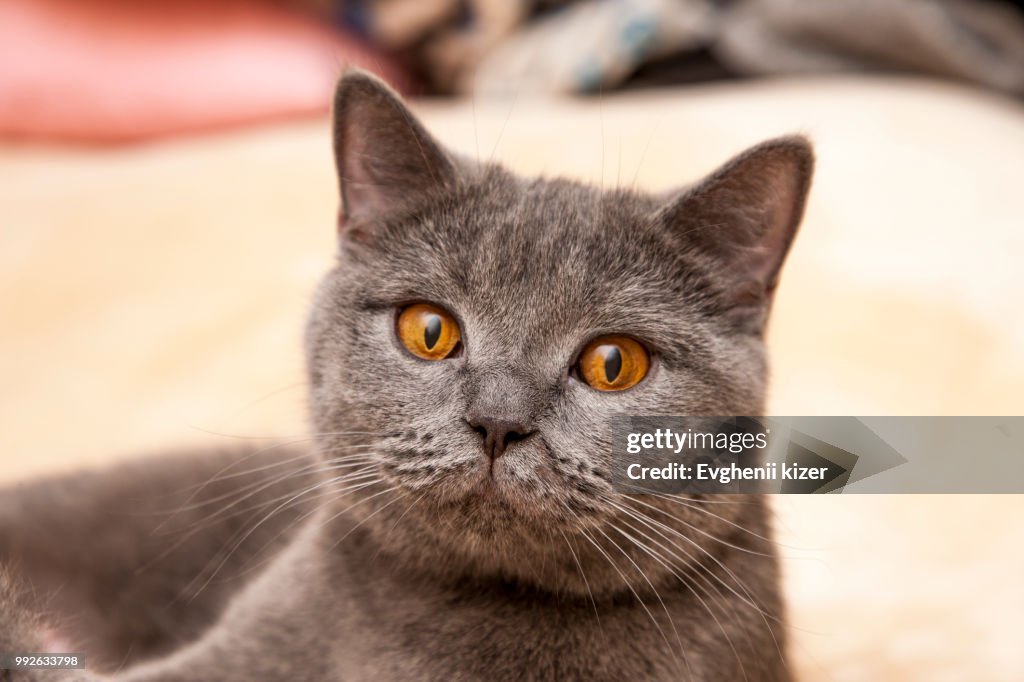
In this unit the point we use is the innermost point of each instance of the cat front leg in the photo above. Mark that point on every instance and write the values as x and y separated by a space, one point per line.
134 561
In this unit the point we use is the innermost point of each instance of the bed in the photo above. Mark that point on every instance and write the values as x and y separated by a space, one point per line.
153 295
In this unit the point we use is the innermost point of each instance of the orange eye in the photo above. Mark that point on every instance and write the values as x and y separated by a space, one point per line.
428 331
614 363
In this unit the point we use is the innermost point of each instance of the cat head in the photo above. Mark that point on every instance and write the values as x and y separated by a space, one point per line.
480 330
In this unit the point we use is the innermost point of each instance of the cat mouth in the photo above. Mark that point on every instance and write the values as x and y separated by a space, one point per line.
521 483
481 481
512 481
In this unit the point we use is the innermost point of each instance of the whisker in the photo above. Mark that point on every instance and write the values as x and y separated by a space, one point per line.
689 587
686 503
257 487
368 517
206 522
748 599
701 531
583 574
629 586
248 533
654 589
651 522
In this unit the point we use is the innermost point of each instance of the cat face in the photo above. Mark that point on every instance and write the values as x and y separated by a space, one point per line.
452 348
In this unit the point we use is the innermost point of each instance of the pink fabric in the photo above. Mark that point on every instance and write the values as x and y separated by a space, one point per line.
121 70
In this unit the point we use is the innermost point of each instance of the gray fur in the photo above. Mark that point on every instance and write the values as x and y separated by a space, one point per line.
431 562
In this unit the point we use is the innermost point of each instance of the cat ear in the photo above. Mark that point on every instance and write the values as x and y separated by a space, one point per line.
745 216
386 160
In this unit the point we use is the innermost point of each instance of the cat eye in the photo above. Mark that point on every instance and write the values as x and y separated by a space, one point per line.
614 363
428 331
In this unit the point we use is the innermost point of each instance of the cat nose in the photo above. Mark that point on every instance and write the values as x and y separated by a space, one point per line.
498 434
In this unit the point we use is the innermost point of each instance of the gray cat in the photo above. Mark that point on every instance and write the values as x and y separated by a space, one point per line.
455 519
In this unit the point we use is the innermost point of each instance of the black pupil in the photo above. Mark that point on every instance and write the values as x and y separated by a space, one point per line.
612 363
432 331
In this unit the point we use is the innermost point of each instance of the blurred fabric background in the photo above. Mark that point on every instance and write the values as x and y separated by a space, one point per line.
167 203
111 70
